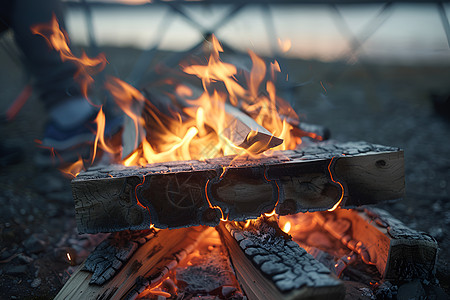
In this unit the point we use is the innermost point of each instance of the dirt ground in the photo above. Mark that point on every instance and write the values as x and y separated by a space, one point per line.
384 104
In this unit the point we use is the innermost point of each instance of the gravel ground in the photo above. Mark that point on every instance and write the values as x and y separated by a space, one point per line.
383 104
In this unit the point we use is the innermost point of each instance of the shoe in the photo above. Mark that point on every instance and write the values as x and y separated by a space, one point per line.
66 145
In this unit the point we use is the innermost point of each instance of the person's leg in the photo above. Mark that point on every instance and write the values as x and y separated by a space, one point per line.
68 111
53 78
70 115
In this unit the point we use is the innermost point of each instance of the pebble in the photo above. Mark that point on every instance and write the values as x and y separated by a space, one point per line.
357 290
34 245
25 259
36 282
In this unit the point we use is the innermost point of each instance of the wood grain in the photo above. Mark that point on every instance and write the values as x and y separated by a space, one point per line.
186 193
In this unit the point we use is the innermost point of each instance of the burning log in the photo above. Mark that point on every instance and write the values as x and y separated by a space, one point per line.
121 268
269 265
186 193
398 252
239 128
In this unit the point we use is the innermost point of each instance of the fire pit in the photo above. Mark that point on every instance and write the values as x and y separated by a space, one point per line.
234 156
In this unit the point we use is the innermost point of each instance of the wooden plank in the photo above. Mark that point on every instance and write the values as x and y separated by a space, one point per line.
398 252
121 268
186 193
269 265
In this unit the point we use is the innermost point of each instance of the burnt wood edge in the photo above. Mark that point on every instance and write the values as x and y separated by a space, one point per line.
278 269
399 252
131 215
160 250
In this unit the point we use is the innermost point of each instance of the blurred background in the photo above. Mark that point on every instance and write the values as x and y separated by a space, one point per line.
368 70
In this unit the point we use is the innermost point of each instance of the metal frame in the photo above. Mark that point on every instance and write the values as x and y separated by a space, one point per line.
355 40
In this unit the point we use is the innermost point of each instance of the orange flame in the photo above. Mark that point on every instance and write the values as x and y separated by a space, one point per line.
130 100
196 130
100 136
74 169
58 40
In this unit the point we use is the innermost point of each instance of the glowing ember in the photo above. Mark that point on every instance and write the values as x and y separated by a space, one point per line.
336 205
287 227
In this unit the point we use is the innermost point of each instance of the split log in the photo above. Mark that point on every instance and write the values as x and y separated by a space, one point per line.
398 252
124 265
186 193
269 265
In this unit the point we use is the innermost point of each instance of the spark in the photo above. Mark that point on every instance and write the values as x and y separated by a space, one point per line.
321 83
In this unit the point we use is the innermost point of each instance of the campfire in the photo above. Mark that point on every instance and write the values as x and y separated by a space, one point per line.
288 206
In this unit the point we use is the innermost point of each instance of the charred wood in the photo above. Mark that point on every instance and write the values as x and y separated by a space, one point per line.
269 265
187 193
145 260
398 252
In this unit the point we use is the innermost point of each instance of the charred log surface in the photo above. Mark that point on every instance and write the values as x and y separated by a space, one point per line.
208 271
160 251
270 265
399 253
167 264
105 261
186 193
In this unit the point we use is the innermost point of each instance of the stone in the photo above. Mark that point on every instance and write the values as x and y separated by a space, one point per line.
36 282
34 244
357 291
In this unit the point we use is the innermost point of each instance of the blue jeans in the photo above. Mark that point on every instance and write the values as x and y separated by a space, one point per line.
53 79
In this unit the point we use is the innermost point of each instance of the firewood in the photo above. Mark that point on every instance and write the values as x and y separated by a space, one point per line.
269 265
398 252
121 268
186 193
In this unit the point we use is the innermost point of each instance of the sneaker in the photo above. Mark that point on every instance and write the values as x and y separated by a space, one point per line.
62 145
